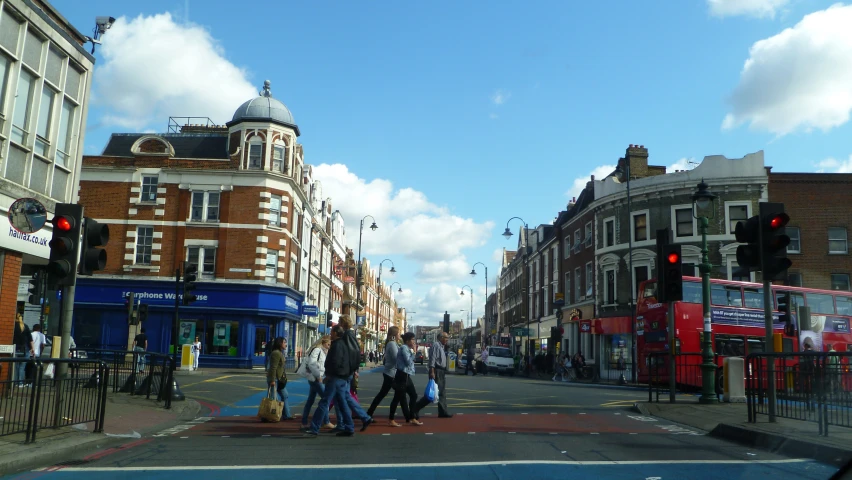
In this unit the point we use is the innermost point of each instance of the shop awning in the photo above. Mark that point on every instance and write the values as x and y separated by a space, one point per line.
611 325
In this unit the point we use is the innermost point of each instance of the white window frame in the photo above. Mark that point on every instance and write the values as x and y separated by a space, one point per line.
554 252
568 291
633 216
728 205
798 237
271 254
609 221
204 253
578 240
272 211
254 142
142 187
674 210
546 298
607 295
205 207
136 253
732 264
567 247
845 240
590 279
279 145
578 284
589 234
841 275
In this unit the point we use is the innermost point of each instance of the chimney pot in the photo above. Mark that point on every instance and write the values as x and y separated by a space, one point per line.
631 145
641 146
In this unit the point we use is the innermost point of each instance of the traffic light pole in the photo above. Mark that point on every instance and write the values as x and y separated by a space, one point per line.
770 345
175 330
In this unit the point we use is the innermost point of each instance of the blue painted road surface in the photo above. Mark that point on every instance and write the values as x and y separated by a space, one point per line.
632 470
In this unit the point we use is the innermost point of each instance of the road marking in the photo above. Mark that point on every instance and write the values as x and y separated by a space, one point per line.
447 464
554 433
471 433
595 433
184 437
617 413
676 430
511 432
266 435
226 436
553 413
489 414
429 433
642 418
525 413
582 413
386 434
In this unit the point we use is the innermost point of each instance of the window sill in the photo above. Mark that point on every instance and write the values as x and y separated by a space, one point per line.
837 253
153 268
147 203
201 223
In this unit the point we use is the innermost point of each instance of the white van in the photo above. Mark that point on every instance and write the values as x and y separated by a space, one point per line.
499 359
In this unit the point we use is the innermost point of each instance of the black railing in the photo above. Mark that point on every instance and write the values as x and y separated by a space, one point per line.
139 373
51 393
809 386
688 374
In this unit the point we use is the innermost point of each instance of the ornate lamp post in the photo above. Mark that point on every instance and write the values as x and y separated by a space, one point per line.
360 279
470 313
704 209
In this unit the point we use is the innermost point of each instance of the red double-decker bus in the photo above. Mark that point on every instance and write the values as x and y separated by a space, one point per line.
737 314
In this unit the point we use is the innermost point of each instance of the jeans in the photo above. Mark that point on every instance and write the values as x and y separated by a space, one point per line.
316 388
283 395
387 385
336 388
21 369
140 358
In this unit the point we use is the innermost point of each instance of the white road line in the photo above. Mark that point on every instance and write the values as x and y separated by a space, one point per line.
489 414
386 434
226 436
429 433
553 413
581 413
427 465
525 414
266 435
511 432
595 433
633 433
184 437
554 433
471 433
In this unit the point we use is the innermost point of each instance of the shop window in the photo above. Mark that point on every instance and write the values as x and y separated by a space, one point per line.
222 337
188 329
840 281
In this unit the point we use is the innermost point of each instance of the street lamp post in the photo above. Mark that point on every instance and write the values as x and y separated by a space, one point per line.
360 279
380 291
624 176
704 201
485 307
508 234
470 313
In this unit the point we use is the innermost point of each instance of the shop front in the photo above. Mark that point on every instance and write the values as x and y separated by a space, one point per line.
233 322
615 344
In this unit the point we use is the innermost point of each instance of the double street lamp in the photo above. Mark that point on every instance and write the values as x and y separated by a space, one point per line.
704 209
473 274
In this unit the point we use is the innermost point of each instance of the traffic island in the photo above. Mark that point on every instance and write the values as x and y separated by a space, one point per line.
729 421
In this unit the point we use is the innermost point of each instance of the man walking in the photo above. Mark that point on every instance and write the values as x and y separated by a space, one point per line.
470 358
438 364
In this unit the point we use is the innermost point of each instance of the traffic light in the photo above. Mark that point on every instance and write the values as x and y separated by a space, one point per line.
671 273
774 241
748 255
330 322
36 288
128 304
94 235
783 302
64 251
142 314
190 273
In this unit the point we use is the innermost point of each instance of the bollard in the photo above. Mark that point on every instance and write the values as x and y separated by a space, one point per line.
733 378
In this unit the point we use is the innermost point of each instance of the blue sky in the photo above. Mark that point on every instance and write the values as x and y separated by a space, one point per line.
464 114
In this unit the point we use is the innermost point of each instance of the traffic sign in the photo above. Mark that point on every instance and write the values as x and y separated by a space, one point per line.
521 332
310 310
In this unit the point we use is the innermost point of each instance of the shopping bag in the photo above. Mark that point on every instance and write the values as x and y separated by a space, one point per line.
431 392
270 408
50 370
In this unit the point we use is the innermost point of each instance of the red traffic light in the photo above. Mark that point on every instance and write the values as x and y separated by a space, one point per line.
673 257
64 224
779 221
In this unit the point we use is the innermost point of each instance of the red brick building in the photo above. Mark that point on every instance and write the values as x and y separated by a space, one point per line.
820 219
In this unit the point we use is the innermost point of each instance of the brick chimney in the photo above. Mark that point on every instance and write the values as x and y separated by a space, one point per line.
637 157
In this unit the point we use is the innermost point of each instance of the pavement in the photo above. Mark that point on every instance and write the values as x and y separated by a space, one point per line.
729 421
504 427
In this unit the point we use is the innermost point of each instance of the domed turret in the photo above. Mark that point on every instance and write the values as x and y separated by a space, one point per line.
265 108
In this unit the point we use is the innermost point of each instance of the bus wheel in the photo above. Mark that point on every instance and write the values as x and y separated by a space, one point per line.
720 384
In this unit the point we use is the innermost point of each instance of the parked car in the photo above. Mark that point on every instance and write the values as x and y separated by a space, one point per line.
419 358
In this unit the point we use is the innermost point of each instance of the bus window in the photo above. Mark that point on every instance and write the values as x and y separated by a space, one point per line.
787 345
796 299
726 296
821 303
728 346
692 292
753 297
756 345
650 290
844 305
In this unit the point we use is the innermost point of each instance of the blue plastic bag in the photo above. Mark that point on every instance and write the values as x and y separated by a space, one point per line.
431 392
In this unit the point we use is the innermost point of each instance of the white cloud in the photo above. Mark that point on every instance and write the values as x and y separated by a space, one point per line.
443 270
682 164
493 116
799 79
580 182
749 8
154 68
832 165
409 224
499 97
497 256
445 297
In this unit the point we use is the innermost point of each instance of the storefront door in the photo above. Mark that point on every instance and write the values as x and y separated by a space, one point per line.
261 336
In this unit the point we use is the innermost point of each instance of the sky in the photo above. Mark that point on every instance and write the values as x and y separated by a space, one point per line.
444 119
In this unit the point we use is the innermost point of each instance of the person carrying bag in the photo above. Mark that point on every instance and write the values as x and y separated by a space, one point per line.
270 408
276 376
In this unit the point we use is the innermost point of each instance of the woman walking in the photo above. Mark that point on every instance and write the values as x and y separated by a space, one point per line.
196 352
276 376
315 365
403 385
391 351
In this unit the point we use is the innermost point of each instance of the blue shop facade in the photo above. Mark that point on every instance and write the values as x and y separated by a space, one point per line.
233 321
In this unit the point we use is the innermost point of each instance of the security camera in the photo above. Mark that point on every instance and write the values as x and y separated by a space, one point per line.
104 23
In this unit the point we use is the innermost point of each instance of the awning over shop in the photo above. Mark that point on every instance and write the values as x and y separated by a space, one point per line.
611 325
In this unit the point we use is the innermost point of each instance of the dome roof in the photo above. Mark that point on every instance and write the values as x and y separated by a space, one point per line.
265 108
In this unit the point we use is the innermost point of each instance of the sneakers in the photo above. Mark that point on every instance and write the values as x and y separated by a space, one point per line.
345 433
366 424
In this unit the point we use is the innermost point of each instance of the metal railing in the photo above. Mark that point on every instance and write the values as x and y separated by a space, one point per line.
54 393
809 386
688 374
139 373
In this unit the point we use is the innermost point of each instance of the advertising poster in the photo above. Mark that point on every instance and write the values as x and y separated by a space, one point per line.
187 332
221 334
